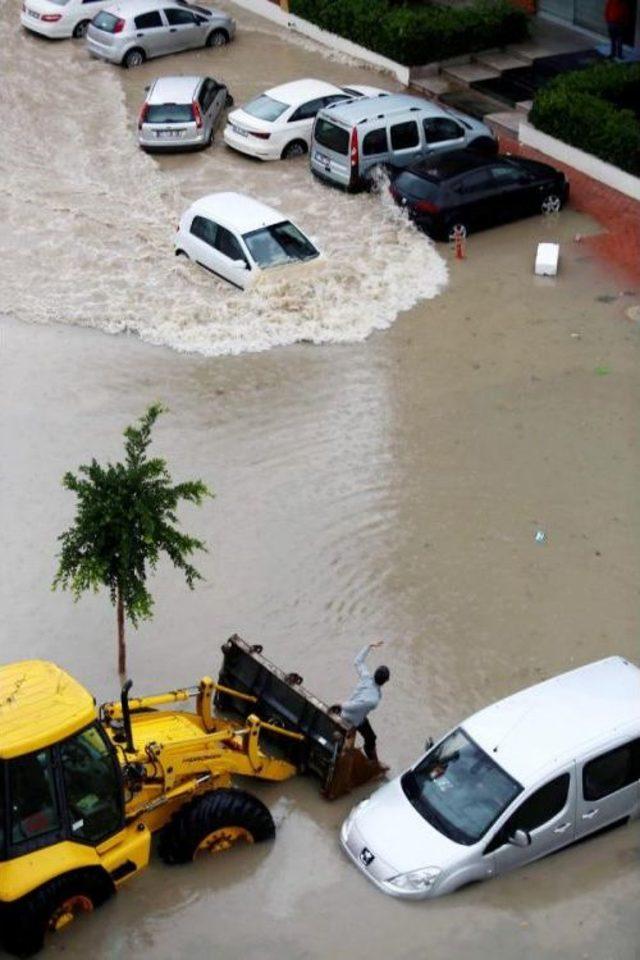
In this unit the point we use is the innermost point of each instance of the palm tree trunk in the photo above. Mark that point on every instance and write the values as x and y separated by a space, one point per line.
122 648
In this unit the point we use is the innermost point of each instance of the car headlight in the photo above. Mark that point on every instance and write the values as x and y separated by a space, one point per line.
416 879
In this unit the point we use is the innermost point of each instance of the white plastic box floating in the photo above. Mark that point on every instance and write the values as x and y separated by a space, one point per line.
547 259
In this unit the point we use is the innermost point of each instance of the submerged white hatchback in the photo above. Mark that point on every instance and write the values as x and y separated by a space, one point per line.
237 238
277 124
522 778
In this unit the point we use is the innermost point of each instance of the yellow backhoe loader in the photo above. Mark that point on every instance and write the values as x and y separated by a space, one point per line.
82 791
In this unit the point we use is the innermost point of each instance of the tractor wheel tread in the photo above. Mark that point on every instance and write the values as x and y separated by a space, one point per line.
226 807
25 921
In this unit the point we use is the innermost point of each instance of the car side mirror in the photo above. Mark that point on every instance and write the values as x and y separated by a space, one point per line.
520 838
429 743
147 88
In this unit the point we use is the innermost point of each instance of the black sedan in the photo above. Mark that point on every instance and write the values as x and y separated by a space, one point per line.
468 191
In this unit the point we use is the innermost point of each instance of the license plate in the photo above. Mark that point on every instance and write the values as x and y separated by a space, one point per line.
169 133
239 130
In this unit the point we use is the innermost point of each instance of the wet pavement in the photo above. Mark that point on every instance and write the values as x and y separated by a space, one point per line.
387 488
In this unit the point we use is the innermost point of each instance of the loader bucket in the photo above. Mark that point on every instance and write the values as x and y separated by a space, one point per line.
327 748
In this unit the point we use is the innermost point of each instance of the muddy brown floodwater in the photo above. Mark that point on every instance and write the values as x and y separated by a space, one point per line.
385 488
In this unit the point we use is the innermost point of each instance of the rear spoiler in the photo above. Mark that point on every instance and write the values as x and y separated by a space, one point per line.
327 749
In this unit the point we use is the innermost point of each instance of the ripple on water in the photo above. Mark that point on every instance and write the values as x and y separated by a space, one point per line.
89 223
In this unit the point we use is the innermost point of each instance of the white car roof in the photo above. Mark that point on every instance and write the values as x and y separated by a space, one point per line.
173 90
536 729
237 211
131 8
299 91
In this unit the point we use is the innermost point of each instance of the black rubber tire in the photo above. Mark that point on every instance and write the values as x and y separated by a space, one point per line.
80 29
218 38
126 60
485 146
180 839
297 148
26 922
181 253
228 100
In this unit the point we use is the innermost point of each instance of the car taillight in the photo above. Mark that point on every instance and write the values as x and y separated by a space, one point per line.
143 115
260 136
197 116
426 206
354 148
51 17
120 25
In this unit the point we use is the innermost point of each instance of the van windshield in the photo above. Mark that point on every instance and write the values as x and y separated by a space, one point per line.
459 789
280 243
265 108
332 137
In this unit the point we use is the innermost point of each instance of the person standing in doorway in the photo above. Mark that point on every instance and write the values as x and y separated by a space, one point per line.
616 15
365 698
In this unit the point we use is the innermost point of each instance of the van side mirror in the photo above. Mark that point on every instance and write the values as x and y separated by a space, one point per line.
520 838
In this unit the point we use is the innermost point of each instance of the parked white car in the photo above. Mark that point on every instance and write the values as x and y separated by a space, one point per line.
60 18
278 124
237 237
519 780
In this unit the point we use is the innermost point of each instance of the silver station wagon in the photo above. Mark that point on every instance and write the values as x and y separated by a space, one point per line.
517 781
133 31
181 113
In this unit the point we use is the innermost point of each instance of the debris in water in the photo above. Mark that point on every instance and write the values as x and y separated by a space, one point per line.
540 536
602 371
606 298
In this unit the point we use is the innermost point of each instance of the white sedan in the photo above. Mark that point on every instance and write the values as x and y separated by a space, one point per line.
278 124
237 237
60 18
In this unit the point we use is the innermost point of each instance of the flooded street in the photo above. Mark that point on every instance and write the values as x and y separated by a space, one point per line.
389 487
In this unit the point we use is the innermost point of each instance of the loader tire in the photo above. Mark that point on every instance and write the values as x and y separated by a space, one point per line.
52 907
213 823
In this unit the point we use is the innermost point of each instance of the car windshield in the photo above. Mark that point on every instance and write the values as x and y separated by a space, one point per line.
459 789
169 113
265 108
280 243
332 137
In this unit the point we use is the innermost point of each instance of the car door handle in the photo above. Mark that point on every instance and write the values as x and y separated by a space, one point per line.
590 815
562 828
139 34
172 29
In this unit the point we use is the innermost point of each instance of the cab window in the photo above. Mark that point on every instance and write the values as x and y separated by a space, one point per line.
227 244
307 110
204 230
92 787
178 18
148 20
611 771
34 806
439 129
535 811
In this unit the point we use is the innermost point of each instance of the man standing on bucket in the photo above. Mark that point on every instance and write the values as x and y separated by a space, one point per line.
365 698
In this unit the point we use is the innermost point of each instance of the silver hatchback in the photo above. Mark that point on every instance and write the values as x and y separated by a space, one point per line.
181 113
133 31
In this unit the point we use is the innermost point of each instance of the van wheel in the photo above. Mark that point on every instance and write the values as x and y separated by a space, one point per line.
297 148
217 38
133 58
181 253
214 823
228 100
51 907
80 29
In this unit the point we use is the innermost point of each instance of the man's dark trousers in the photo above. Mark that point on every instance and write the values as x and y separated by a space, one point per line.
370 738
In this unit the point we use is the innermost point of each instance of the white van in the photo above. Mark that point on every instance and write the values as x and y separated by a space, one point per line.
522 778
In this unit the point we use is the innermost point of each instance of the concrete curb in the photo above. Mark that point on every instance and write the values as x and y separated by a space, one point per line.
605 173
264 8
